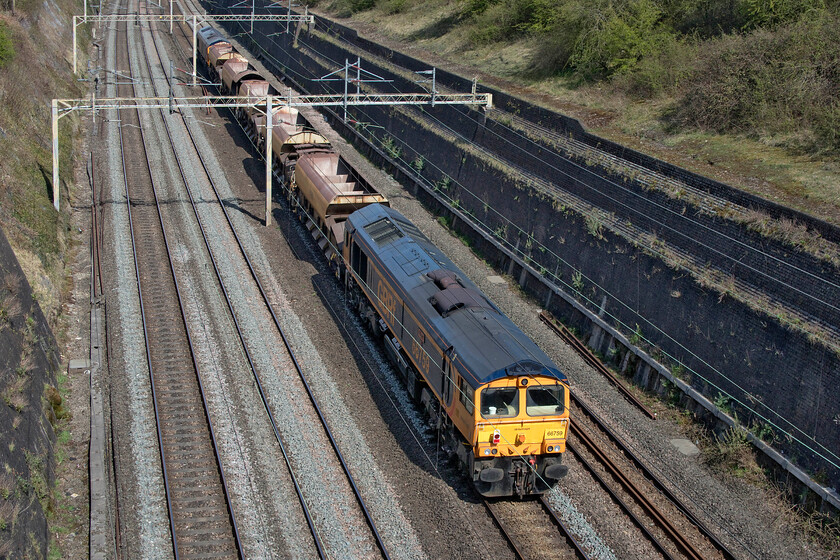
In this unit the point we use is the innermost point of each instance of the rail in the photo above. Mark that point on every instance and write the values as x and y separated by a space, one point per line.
173 395
295 361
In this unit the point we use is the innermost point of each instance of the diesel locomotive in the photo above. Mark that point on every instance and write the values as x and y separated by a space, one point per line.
497 399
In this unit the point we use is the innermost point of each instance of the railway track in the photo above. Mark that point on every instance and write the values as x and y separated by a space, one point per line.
744 268
545 528
533 530
593 361
202 521
677 544
323 549
665 520
655 212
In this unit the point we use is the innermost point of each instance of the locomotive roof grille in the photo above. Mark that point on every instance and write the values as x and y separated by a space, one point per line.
412 230
383 232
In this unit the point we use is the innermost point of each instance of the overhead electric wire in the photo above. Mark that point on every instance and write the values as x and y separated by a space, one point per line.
737 400
453 384
630 208
450 380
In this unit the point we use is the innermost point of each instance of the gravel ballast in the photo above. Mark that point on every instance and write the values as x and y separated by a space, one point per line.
423 507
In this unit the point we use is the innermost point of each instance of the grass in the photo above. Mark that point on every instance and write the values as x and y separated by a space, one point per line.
756 164
13 394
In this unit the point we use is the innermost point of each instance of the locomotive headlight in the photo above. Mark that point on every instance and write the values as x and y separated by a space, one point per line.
550 448
487 452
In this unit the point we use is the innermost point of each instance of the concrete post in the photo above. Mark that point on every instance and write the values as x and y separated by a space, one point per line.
346 81
74 43
195 47
56 186
269 170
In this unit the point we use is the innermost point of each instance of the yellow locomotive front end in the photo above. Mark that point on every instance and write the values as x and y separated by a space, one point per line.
520 435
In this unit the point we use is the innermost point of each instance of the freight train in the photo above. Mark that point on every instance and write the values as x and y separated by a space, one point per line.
497 399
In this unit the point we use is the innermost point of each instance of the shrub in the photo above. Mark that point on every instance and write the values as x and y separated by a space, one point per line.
663 70
557 45
770 13
615 37
706 19
496 21
769 82
393 6
346 8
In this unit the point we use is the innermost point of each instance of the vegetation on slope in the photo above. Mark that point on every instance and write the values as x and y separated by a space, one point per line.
34 51
675 72
33 70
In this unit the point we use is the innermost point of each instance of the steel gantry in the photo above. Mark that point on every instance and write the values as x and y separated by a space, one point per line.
183 18
62 107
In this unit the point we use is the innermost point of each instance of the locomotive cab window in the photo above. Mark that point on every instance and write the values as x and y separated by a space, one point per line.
358 260
466 395
500 402
545 400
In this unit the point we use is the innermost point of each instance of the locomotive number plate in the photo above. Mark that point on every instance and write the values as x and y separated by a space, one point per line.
556 433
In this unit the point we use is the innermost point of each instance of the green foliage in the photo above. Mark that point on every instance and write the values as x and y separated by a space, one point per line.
346 8
827 128
443 184
361 5
662 70
7 47
778 79
616 36
770 13
594 226
732 453
600 38
577 281
723 402
637 336
781 82
391 7
418 164
496 20
709 18
764 432
390 146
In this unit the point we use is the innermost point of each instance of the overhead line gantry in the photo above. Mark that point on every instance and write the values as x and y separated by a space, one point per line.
62 107
184 18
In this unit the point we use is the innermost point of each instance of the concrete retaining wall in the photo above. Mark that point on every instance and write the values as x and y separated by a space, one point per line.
733 349
29 362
